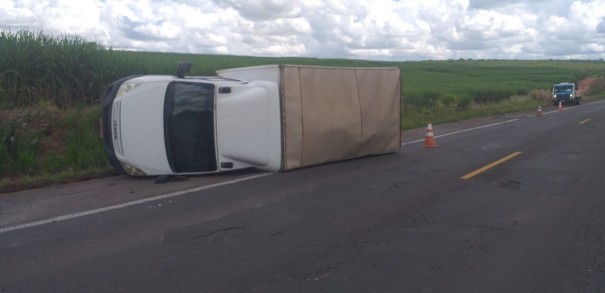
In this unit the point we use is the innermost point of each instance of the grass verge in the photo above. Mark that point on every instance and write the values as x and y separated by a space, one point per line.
414 116
44 145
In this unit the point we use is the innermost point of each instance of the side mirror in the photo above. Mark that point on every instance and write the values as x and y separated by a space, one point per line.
183 68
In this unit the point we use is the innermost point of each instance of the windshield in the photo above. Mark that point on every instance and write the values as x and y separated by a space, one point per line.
189 127
563 88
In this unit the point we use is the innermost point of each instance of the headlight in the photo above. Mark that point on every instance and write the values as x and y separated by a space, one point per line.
132 170
126 87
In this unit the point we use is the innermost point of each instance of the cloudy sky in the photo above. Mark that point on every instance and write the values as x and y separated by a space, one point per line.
397 30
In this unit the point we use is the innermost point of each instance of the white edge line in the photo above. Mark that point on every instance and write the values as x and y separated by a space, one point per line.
126 204
464 130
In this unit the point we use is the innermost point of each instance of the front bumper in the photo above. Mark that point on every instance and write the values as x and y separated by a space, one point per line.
110 96
567 99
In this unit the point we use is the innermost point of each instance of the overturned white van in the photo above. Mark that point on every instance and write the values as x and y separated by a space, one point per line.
275 118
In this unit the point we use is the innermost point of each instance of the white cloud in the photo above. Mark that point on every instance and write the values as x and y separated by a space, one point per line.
262 9
16 17
600 28
363 29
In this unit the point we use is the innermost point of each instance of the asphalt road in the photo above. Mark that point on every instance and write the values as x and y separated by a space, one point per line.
404 222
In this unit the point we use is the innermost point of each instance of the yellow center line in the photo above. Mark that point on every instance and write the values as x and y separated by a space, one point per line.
585 121
487 167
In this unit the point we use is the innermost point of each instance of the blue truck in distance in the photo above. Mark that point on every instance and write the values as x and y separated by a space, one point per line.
565 93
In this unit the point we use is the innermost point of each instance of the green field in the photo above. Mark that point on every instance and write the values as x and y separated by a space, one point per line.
51 89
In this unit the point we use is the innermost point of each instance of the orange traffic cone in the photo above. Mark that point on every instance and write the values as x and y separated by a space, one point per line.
429 140
539 114
560 108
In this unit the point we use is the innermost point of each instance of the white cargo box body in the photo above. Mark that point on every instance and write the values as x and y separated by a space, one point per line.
330 114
